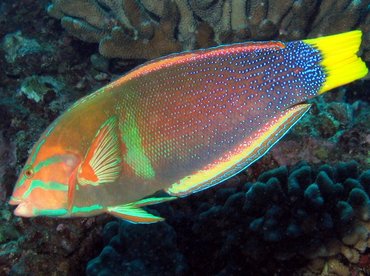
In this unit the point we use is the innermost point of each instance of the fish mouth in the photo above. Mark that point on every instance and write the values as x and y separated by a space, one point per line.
23 210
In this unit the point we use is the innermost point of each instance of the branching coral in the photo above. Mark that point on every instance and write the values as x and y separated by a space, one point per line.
146 29
122 28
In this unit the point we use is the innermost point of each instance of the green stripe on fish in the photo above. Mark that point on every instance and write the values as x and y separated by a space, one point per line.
51 185
86 209
47 162
50 212
135 156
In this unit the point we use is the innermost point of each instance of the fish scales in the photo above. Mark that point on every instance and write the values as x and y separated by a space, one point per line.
181 124
192 113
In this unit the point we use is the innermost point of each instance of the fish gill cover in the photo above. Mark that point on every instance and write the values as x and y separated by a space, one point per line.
37 56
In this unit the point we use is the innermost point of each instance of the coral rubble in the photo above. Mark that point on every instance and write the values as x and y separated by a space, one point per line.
144 29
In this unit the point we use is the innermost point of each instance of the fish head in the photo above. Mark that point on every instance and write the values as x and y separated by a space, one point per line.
43 184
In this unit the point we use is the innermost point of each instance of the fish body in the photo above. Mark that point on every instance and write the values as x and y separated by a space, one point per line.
181 124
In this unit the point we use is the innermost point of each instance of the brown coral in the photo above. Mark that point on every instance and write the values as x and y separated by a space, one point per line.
156 38
122 28
148 29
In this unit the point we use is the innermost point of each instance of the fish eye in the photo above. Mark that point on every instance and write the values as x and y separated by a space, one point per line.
28 171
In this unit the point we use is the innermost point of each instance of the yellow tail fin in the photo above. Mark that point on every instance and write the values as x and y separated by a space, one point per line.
340 60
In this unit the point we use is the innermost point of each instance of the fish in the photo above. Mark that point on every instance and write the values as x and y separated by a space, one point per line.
178 125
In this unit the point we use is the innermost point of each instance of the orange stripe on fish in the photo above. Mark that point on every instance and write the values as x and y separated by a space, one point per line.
171 60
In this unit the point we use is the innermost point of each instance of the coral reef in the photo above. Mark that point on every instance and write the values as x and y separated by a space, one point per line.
23 55
123 28
302 212
138 250
334 129
16 46
46 246
145 29
286 218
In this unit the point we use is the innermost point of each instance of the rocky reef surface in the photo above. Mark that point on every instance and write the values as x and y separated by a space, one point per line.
45 66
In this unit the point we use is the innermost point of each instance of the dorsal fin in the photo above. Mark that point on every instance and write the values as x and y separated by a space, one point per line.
102 163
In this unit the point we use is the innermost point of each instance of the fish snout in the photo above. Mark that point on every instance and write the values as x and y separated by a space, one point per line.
23 210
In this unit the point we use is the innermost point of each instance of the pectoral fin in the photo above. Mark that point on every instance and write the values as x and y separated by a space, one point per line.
102 163
133 213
